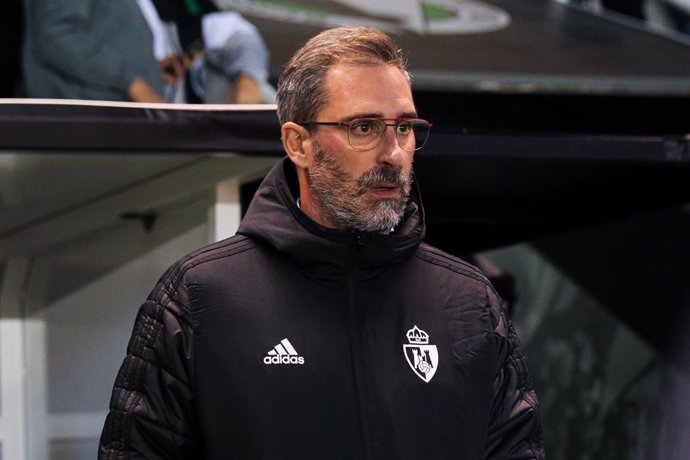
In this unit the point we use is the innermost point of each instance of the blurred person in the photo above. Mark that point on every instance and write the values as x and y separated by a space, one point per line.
92 49
325 328
124 50
234 60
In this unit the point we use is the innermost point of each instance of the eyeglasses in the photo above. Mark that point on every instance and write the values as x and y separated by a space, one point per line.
366 133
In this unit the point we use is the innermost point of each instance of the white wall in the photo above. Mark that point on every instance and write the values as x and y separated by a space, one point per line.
70 288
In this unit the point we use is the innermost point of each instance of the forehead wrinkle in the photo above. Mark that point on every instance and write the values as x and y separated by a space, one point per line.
340 78
362 115
377 115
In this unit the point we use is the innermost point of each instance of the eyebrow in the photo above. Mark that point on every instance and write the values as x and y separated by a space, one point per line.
377 115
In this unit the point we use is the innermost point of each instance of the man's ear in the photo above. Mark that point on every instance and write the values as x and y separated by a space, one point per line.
295 139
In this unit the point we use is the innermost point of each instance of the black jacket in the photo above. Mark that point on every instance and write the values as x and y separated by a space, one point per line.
290 340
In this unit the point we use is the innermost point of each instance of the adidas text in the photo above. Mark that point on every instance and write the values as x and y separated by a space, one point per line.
283 360
283 353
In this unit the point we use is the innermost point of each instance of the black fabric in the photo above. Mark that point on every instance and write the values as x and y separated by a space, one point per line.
197 384
315 248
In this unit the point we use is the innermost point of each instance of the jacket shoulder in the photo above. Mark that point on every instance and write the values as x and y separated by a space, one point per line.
443 260
222 249
466 278
171 282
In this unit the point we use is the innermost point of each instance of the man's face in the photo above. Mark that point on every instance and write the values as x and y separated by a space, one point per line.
359 189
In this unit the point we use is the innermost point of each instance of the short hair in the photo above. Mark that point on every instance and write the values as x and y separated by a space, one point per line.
301 93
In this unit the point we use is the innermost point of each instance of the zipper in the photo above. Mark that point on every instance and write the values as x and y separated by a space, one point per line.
358 348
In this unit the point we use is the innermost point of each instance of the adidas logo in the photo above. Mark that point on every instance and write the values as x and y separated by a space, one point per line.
283 353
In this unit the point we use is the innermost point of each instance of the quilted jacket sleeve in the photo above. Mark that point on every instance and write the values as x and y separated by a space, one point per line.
151 408
515 430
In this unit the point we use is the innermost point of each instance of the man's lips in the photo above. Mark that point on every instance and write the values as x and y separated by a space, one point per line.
385 190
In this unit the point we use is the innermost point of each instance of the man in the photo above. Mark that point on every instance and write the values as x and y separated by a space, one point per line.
91 49
233 62
325 328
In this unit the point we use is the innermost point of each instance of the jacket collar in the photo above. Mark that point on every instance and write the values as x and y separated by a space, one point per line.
274 218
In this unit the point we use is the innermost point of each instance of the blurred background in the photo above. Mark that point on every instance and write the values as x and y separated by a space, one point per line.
559 164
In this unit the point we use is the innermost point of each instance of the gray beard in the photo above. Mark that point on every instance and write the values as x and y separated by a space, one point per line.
345 203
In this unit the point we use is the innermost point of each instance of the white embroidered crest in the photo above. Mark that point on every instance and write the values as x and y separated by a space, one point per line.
422 357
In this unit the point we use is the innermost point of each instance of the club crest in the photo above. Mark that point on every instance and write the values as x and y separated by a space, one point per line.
422 357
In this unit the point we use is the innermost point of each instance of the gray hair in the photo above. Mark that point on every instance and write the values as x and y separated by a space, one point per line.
301 93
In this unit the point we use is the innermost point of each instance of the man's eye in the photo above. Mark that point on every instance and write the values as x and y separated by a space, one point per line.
362 128
404 128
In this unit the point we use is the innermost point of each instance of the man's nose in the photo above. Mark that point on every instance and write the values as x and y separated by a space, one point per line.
389 149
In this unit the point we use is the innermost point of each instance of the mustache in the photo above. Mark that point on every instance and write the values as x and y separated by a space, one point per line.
387 173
